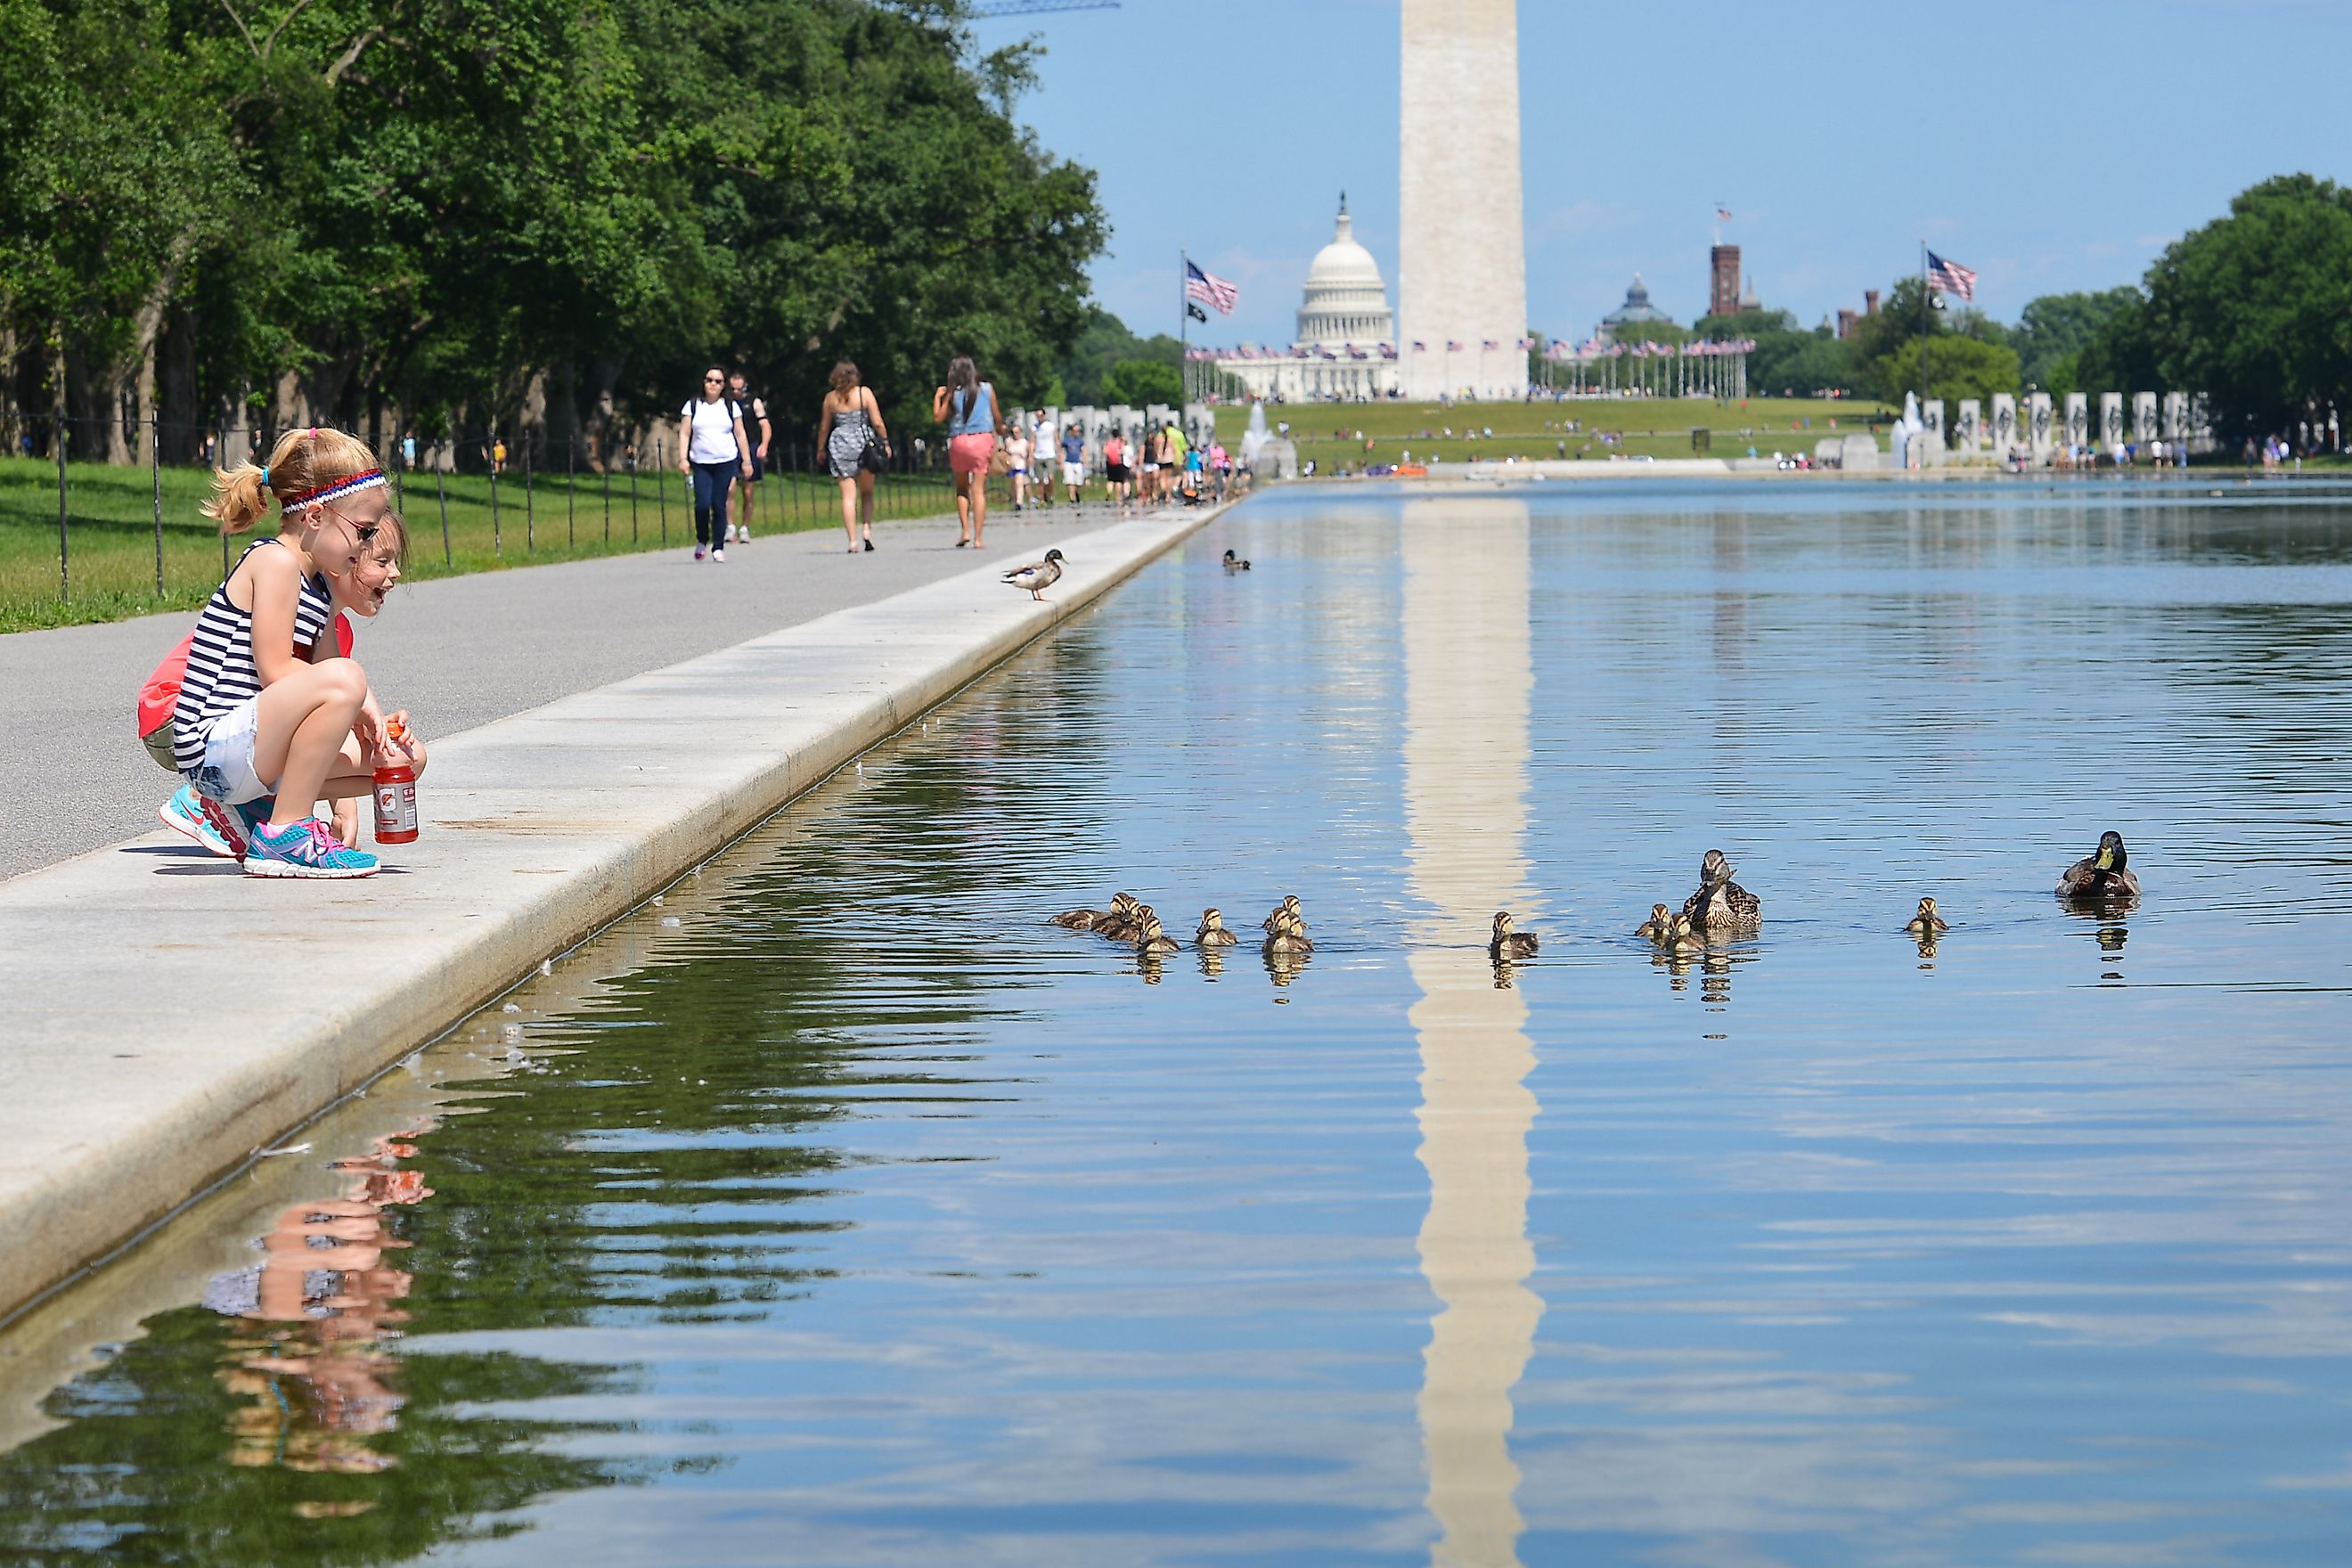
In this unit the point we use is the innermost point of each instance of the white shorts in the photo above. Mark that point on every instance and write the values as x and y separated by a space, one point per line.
1074 473
226 773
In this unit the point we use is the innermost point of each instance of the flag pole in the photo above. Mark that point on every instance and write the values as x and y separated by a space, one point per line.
1923 338
1184 322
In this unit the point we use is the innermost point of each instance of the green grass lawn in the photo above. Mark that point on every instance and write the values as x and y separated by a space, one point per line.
111 536
1652 426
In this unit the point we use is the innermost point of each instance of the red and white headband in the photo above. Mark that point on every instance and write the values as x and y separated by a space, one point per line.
371 479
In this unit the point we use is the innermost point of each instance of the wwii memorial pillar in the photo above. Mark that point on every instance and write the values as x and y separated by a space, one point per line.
1462 287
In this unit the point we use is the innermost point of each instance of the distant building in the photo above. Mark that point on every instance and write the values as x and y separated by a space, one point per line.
1847 319
1624 324
1723 280
1346 349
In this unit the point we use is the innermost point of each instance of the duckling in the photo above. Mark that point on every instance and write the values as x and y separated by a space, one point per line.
1290 909
1037 576
1659 926
1287 936
1151 941
1721 904
1509 943
1131 926
1213 931
1235 563
2105 878
1927 922
1681 924
1122 905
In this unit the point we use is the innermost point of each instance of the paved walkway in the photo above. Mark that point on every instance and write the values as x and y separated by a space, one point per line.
139 1066
457 653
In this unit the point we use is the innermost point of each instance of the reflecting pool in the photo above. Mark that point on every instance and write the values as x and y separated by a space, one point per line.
839 1209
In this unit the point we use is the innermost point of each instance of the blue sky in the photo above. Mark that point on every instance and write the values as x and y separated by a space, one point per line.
2052 145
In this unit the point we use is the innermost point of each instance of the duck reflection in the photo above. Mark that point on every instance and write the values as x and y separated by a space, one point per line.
1468 677
316 1380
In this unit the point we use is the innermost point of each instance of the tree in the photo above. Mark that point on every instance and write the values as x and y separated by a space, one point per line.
2057 327
1957 367
1101 344
1803 365
1140 382
2255 309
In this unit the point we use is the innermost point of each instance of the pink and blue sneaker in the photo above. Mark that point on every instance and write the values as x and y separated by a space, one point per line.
184 813
307 849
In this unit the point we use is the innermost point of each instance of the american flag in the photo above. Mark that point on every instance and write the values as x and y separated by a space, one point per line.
1724 213
1210 289
1950 277
1453 346
1419 347
1492 346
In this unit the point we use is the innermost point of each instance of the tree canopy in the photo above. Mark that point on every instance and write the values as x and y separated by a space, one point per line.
460 210
2255 310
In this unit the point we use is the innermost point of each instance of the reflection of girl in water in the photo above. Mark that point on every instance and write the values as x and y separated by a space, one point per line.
317 1381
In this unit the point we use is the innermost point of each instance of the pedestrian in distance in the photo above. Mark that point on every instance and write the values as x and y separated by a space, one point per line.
967 405
849 427
1016 465
713 451
1115 468
757 426
1074 463
1041 453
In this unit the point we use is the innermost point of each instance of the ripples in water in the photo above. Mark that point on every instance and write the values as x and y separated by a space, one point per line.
863 1216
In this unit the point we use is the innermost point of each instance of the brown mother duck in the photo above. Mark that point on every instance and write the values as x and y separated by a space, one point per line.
1721 905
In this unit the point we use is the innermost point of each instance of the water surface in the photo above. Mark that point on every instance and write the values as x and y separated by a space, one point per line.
840 1210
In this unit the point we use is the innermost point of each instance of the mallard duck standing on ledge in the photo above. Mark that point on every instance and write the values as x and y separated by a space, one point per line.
2101 878
1721 904
1039 577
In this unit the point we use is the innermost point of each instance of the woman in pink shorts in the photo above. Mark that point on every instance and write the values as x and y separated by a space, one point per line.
967 406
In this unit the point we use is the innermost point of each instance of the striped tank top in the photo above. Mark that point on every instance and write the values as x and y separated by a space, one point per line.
221 671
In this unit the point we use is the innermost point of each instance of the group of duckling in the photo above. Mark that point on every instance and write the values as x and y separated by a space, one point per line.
1721 908
1130 922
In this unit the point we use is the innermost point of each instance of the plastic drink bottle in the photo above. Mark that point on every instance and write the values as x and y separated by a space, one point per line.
395 797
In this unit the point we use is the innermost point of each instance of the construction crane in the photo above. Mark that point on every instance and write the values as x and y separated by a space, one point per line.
988 9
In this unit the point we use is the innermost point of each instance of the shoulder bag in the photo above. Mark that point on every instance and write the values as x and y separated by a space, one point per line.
877 455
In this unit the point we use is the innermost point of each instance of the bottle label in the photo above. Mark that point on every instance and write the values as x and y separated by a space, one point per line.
395 808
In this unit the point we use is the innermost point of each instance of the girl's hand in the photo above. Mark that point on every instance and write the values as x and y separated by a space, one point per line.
398 738
368 728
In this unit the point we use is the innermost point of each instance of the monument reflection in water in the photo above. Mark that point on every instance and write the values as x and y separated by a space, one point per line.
1467 680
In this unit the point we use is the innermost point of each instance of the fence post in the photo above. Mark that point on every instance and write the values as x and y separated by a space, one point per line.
498 540
661 490
65 579
608 498
633 497
441 484
570 480
529 502
155 469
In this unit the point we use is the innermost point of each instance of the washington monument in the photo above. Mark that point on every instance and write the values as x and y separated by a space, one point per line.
1462 250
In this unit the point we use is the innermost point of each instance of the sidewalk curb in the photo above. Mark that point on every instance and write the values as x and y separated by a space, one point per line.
175 1016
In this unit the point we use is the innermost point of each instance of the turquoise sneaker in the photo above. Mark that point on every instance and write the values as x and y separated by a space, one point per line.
309 848
184 813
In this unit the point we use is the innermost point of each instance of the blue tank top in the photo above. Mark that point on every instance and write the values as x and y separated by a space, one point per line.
979 419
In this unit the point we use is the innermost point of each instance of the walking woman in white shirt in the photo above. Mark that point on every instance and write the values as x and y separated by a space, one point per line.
713 448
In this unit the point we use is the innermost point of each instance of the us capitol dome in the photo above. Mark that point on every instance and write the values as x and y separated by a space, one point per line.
1345 348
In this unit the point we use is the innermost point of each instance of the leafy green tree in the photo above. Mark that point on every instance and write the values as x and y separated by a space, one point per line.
1801 364
1101 344
2057 327
1957 367
2255 309
1139 382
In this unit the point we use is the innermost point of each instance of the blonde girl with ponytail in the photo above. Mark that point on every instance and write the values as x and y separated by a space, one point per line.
271 719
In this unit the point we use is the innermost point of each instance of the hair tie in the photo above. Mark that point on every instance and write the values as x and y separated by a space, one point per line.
314 432
264 476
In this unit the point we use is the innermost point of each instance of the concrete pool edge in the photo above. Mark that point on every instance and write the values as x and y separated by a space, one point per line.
172 1018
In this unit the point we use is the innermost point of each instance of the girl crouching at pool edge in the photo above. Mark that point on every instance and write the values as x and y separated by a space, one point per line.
261 736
